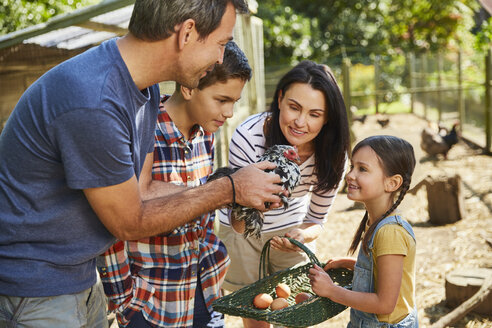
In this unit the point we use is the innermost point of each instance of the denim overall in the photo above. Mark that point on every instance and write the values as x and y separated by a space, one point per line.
363 281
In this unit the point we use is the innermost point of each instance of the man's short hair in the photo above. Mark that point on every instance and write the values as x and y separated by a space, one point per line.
154 20
234 66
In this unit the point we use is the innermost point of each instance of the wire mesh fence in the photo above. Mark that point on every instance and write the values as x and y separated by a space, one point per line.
444 87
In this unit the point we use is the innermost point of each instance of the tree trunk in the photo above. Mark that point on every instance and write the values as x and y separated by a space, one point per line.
482 297
444 197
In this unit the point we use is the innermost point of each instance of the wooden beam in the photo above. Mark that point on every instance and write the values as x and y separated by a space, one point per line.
101 27
26 68
61 21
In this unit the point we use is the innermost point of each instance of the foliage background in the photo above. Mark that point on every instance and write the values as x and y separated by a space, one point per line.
328 31
19 14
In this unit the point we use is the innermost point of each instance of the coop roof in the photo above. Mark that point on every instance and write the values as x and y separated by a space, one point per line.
487 5
40 47
89 33
78 29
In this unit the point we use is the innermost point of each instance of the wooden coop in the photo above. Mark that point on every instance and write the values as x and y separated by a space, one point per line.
27 54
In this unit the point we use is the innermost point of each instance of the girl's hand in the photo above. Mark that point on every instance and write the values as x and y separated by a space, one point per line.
340 262
321 282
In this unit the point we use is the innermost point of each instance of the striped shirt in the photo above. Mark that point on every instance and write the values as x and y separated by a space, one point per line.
158 275
246 147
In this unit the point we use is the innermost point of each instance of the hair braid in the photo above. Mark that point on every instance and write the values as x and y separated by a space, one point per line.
358 234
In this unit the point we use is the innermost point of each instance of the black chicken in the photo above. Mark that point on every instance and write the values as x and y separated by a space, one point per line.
287 161
382 119
355 117
433 143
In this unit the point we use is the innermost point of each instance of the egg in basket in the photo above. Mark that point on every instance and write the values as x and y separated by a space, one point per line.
288 284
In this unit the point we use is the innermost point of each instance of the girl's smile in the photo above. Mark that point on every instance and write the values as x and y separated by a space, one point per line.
365 180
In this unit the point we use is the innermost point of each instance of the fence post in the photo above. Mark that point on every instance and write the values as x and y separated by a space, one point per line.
424 83
346 87
461 99
376 83
411 69
488 100
439 86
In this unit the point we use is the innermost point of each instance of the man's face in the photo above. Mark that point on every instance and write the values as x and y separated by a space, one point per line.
200 55
213 105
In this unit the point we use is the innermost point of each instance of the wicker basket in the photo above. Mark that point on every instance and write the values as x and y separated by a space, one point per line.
310 312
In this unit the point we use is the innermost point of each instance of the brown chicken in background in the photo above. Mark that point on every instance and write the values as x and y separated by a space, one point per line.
439 142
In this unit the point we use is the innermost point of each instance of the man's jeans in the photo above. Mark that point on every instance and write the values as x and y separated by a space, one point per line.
86 309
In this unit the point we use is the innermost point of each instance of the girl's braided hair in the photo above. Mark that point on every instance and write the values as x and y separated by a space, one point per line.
396 156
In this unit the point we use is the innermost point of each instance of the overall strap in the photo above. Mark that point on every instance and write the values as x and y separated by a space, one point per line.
393 219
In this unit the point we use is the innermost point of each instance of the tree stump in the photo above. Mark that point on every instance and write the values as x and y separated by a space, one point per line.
444 197
464 283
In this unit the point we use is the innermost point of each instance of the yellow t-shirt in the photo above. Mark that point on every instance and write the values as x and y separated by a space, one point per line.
394 239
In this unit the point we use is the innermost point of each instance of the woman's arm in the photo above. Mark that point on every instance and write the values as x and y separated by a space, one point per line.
383 301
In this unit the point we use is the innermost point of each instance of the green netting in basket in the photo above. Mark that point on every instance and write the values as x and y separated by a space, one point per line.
310 312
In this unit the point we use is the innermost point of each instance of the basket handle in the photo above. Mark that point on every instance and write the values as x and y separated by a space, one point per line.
265 255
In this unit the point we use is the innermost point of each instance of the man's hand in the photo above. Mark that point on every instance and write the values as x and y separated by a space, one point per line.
254 187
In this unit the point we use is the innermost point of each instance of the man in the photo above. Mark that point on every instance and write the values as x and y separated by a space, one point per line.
72 151
178 275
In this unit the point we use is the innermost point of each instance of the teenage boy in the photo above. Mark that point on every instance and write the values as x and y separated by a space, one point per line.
171 280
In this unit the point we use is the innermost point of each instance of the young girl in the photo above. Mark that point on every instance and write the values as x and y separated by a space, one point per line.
383 287
308 112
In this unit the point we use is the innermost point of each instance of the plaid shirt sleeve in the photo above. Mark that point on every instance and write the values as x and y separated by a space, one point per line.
119 286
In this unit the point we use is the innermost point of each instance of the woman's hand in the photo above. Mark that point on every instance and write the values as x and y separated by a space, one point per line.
305 233
321 282
283 244
340 262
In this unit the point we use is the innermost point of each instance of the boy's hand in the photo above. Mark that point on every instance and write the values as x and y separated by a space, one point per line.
321 282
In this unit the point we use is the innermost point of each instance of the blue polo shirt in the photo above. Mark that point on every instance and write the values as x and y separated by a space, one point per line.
83 124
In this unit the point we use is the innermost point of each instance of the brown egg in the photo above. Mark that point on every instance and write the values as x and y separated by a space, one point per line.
301 297
279 303
282 290
262 301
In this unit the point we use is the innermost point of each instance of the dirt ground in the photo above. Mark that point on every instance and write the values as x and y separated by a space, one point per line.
440 249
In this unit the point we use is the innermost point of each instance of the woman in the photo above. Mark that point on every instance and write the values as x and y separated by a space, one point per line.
308 112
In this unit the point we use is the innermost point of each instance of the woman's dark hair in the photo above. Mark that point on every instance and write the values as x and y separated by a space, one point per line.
332 143
234 66
396 156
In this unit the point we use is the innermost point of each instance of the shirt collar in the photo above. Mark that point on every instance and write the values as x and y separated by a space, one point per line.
170 131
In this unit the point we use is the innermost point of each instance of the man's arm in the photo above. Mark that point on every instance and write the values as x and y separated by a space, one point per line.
128 217
150 189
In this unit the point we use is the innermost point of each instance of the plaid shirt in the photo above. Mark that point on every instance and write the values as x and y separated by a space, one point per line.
158 275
